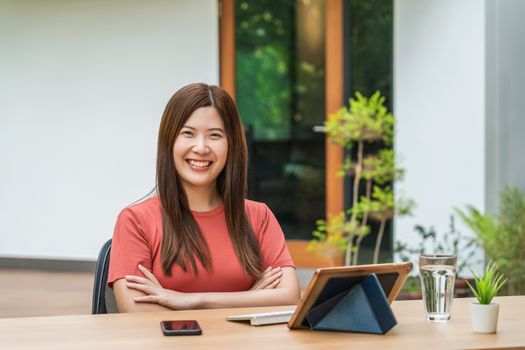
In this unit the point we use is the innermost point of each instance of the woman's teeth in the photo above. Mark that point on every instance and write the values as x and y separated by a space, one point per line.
200 164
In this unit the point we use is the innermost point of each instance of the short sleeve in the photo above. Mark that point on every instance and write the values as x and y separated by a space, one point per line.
129 248
274 250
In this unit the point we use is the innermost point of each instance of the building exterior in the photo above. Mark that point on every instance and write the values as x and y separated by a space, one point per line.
84 85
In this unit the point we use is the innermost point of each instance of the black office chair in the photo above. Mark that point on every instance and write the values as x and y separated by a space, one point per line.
103 297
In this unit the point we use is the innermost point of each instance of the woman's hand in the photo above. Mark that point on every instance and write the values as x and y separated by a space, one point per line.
270 279
158 295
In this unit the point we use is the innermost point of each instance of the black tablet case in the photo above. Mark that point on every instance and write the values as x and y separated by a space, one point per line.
361 307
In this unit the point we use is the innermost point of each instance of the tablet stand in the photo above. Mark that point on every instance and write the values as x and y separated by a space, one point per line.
363 308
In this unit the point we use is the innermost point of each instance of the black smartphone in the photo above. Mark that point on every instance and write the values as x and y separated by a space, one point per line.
180 327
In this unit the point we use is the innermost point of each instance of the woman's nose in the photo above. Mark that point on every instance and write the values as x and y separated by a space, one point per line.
200 146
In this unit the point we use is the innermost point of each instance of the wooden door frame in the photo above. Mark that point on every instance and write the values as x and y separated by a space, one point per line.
227 61
334 90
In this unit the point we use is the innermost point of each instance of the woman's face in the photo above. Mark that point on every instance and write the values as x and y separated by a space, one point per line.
201 149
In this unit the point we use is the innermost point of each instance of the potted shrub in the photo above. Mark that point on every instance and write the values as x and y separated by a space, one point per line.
484 313
365 130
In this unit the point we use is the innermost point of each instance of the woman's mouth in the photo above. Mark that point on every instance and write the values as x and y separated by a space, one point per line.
201 164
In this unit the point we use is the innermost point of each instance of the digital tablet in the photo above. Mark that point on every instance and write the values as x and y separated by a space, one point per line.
331 281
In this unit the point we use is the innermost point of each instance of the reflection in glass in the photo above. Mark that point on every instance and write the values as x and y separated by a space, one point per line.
280 93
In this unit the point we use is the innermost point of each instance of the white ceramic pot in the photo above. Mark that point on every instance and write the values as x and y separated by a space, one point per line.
484 317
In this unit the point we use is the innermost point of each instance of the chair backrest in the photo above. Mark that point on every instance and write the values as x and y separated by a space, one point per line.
103 297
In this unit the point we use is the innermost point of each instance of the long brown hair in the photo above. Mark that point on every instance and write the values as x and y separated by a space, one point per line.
182 240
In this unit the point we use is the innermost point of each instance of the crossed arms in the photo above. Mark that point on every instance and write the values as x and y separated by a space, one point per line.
277 286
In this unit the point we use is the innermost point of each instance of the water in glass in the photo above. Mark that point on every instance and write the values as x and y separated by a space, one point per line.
437 283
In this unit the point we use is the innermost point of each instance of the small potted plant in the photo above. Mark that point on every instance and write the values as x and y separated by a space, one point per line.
484 313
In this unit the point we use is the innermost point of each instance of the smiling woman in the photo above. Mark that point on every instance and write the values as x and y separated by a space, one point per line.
199 243
201 150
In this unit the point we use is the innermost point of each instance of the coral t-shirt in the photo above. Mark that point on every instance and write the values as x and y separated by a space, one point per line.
138 236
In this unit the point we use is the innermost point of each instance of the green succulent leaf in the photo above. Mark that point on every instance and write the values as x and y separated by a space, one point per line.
489 284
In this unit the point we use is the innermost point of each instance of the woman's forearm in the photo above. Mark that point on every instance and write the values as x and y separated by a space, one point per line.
261 297
286 293
124 299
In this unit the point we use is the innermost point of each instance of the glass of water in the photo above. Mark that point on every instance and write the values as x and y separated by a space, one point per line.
438 273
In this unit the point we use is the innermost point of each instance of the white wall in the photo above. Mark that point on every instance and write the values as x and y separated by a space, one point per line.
439 85
83 86
505 103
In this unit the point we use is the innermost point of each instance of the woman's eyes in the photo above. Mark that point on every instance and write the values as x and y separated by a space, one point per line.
213 136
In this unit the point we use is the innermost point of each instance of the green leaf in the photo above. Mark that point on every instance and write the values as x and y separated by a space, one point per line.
488 284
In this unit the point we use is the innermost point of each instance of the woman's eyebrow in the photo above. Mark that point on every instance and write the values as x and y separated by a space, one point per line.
215 129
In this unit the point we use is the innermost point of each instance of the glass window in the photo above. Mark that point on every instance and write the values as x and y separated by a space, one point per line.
369 67
280 93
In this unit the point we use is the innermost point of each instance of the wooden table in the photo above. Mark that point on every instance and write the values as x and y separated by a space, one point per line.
142 331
